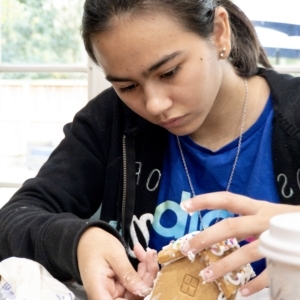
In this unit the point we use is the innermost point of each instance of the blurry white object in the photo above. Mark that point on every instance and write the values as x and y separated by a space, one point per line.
277 25
275 39
37 155
280 245
262 295
24 279
271 10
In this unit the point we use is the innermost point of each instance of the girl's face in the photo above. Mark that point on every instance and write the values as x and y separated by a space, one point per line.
167 75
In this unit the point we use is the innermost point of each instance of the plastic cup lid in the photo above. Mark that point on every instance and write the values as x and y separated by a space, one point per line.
282 241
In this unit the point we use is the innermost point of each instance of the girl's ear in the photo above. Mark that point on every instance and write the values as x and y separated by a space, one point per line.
222 32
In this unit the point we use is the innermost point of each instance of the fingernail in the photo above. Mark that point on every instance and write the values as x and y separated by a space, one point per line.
207 275
153 251
143 292
245 292
186 205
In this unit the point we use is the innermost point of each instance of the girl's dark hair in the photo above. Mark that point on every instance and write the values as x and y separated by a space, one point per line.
194 15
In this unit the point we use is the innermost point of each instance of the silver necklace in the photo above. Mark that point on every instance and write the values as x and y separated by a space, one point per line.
235 159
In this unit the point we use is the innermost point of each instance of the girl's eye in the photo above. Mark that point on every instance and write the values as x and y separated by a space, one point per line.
129 88
170 74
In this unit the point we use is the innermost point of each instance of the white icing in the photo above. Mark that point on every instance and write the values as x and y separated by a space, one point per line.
220 248
201 274
191 256
221 296
168 262
178 243
241 277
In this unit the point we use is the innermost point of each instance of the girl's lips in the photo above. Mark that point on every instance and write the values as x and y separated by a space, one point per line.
174 122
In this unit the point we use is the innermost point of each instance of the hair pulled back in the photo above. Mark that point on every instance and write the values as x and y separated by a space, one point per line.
194 15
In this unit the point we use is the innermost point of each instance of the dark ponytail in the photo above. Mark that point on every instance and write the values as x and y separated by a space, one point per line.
194 15
246 51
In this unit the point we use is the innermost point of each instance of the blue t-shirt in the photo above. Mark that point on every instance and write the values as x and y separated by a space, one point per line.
209 172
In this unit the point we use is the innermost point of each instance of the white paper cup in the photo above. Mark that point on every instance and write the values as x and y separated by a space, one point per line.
281 247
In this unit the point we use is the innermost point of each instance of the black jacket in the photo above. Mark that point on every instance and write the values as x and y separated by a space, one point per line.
112 157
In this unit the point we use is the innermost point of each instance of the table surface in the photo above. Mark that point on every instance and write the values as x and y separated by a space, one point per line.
80 294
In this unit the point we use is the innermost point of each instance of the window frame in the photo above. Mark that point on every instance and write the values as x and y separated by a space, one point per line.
96 83
95 78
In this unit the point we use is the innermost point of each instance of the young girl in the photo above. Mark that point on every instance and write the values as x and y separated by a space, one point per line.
190 115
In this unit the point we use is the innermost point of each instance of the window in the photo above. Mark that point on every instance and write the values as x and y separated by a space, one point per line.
45 78
277 25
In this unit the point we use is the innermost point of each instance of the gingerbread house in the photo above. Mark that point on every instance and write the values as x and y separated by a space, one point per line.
179 277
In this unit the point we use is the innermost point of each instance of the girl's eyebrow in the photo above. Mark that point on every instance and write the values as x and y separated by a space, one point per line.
161 62
151 69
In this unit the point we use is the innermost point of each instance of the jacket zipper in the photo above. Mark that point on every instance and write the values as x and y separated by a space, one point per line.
124 186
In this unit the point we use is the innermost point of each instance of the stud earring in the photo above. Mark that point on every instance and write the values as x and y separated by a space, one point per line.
222 53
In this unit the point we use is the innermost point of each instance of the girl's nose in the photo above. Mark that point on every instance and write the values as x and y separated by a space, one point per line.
157 101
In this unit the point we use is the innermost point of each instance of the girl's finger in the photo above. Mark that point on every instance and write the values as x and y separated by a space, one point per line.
148 266
238 227
255 285
237 204
142 269
148 260
151 261
233 261
139 252
126 274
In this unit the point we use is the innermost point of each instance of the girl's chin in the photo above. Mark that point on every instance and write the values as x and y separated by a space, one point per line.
181 131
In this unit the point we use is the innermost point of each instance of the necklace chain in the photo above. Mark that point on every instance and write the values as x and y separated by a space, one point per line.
235 159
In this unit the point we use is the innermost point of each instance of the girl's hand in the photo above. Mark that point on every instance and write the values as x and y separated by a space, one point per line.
147 268
105 270
254 217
